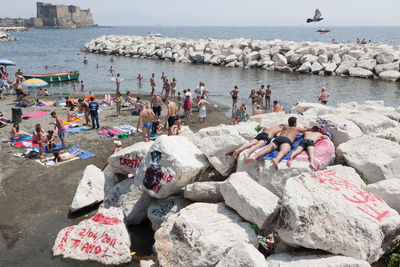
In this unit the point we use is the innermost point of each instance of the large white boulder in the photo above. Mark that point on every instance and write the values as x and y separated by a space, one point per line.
370 122
305 68
243 254
376 158
252 201
387 67
327 212
384 57
347 173
390 75
128 160
312 259
368 64
391 134
160 209
220 130
200 235
251 57
91 188
196 57
279 59
171 163
347 63
219 149
388 190
130 199
360 73
329 68
102 238
204 192
247 129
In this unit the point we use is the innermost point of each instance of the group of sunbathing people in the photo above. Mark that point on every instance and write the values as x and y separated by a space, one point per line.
281 138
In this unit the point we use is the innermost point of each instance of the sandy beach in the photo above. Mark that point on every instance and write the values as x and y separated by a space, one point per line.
34 200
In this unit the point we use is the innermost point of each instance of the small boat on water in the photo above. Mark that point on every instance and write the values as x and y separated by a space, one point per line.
55 76
150 34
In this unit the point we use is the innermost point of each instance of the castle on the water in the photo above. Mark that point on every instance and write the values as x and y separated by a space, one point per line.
53 16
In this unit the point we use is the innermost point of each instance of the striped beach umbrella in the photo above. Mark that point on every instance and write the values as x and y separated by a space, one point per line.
6 62
34 82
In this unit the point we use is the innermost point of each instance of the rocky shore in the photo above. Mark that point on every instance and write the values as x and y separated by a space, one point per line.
209 210
372 61
5 37
15 29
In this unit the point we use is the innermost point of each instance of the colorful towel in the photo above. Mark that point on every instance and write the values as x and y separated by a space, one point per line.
46 150
76 120
21 138
85 155
114 131
35 114
323 151
126 128
46 103
77 129
272 155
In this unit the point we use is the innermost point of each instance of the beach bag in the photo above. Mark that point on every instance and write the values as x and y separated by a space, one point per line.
123 135
33 154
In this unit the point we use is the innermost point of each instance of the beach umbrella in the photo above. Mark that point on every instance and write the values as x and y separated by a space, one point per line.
33 83
6 62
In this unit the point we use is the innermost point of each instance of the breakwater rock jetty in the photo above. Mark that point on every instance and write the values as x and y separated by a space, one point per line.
5 37
209 209
372 61
15 29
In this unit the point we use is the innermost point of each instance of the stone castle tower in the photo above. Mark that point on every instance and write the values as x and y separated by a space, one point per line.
61 16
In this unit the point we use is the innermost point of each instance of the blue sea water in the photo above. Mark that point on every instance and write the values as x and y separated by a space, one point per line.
41 47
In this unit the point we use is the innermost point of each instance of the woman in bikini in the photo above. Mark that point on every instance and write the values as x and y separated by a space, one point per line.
17 133
173 88
65 157
254 99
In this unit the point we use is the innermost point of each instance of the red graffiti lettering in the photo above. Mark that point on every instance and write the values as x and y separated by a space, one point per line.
82 234
97 250
76 243
169 179
362 198
105 253
100 218
132 161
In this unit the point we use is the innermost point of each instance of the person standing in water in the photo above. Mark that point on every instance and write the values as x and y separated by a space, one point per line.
268 97
118 82
82 86
235 94
323 96
85 61
153 83
112 71
173 88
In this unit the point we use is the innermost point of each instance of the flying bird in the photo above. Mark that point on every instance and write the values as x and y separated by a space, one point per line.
317 17
323 31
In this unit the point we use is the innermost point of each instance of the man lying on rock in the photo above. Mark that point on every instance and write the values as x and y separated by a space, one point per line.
308 144
283 142
262 139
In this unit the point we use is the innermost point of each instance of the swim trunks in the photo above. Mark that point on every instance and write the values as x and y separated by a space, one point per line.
263 137
306 143
171 120
234 97
267 97
324 102
279 140
61 133
157 110
148 125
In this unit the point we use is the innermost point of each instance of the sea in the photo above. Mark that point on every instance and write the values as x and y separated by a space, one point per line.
60 50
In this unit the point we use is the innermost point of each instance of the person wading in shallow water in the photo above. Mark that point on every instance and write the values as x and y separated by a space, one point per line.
323 96
235 94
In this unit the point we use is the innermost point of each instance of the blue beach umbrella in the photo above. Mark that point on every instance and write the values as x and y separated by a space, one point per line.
6 62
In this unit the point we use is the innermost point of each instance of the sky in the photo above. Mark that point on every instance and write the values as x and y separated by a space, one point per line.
224 12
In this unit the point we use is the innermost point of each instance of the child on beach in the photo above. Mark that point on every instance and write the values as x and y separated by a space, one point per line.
179 101
118 101
187 106
51 140
118 146
39 136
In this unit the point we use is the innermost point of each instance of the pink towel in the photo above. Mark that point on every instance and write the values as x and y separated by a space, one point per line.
114 131
36 114
324 149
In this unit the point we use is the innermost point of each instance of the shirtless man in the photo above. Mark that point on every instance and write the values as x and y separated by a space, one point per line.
261 139
60 127
146 116
71 114
19 73
283 142
268 97
156 105
276 107
152 83
262 94
117 82
112 71
83 107
323 96
234 93
308 144
171 115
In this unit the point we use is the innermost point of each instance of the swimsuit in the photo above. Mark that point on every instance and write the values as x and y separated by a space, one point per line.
157 110
279 140
171 120
234 97
324 102
263 137
148 125
61 133
306 143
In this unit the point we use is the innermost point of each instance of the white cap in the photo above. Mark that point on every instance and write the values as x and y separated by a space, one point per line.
117 143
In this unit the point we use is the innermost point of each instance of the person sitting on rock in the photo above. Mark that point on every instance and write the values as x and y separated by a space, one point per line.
276 107
283 142
261 139
308 144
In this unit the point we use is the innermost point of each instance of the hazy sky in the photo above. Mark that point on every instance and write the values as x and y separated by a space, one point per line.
224 12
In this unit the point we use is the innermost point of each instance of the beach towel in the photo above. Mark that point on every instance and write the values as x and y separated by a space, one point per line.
46 103
21 138
76 120
35 114
272 155
85 155
77 129
114 131
126 128
48 162
324 149
46 150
